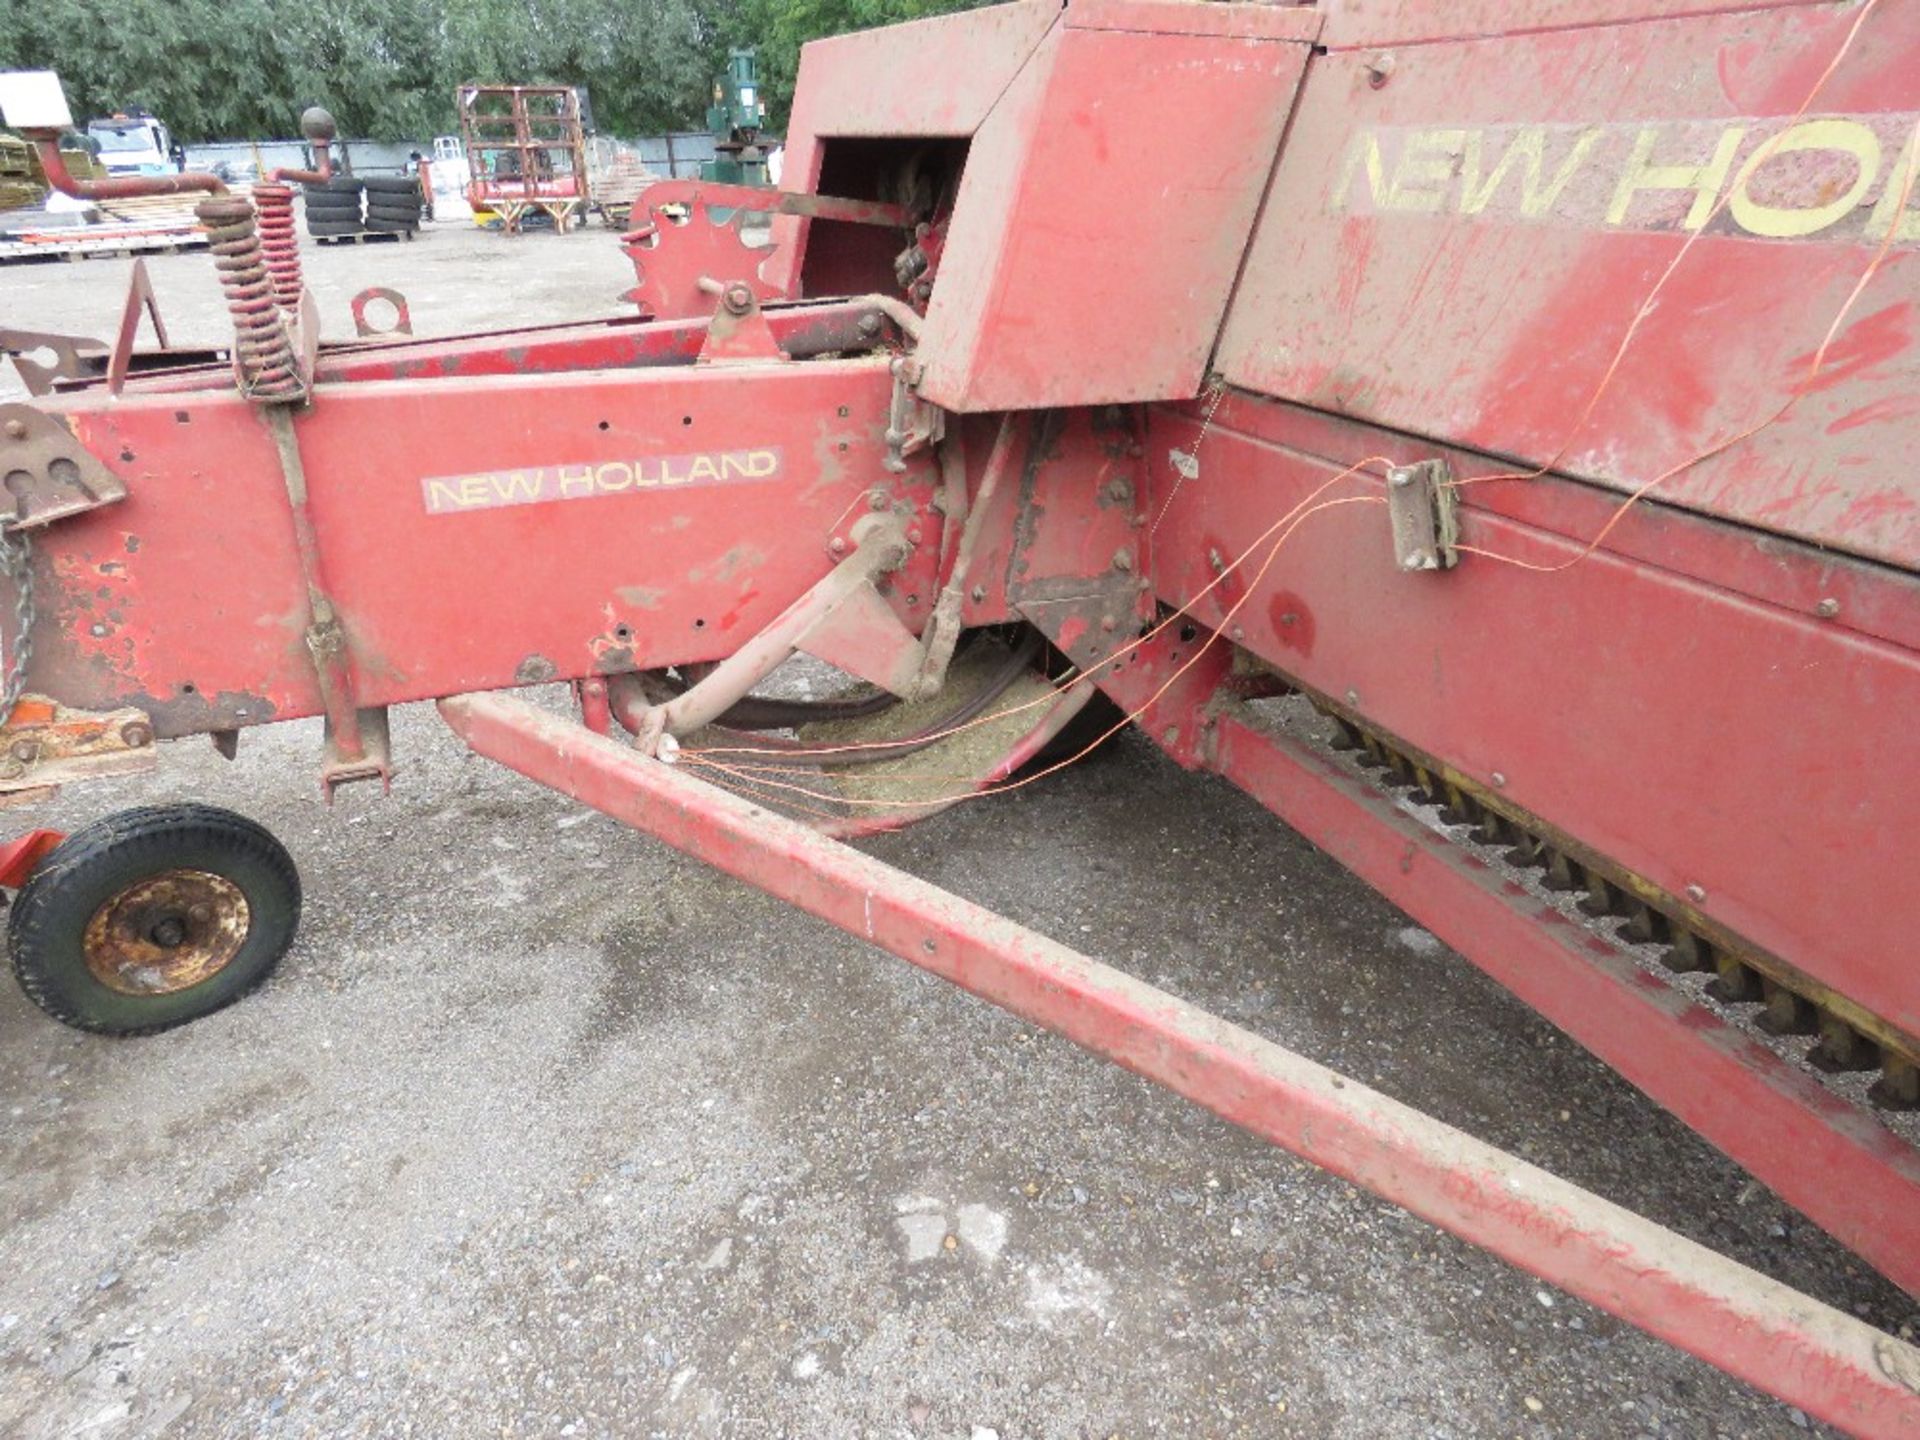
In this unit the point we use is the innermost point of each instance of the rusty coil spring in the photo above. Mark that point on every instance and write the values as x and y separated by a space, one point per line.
263 351
278 241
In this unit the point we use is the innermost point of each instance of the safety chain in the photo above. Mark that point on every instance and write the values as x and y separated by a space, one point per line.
14 553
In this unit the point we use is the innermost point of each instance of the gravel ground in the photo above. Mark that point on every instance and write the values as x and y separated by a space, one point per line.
542 1129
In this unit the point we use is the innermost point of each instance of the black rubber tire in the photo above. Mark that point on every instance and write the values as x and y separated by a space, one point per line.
379 210
50 914
392 227
390 185
333 207
338 185
351 226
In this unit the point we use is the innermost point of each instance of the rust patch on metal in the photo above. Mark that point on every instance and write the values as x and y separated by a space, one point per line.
534 670
1292 621
188 712
167 933
610 658
47 744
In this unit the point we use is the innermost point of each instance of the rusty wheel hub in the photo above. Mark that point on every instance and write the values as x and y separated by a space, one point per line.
166 933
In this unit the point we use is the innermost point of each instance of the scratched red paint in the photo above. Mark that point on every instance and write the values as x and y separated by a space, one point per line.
1894 407
1871 340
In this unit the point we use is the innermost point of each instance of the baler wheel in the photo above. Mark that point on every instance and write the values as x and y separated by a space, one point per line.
153 917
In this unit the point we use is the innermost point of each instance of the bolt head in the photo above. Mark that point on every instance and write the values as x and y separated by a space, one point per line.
1123 560
16 429
869 325
738 299
1400 479
838 546
137 733
1827 608
876 499
24 749
1499 780
1697 894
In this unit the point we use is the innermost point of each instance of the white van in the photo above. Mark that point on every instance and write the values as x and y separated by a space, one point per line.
136 144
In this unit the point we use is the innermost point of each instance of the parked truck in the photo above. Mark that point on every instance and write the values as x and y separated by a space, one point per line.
134 143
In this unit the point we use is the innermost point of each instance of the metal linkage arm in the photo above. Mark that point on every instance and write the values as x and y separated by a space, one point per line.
755 200
1810 1355
880 546
46 148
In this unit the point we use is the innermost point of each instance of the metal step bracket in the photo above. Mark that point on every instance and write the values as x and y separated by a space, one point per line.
1425 515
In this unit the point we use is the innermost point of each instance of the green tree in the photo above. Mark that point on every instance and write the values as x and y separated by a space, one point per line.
244 69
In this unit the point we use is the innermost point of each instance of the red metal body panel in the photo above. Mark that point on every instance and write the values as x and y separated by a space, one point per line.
616 344
1460 257
1037 304
1703 738
1040 302
1402 22
494 595
1812 1356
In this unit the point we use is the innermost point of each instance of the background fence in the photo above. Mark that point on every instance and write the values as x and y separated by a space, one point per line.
676 155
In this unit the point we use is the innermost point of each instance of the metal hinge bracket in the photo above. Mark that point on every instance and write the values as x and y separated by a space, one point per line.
47 473
1425 515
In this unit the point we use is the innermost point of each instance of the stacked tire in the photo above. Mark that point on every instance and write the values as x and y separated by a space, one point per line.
350 204
393 203
333 208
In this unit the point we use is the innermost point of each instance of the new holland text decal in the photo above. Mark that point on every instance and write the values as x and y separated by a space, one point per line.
537 484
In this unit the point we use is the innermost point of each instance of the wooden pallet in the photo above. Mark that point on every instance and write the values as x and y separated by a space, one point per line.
154 211
102 247
361 237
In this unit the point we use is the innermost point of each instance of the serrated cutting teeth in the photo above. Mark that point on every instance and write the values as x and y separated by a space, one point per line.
1849 1038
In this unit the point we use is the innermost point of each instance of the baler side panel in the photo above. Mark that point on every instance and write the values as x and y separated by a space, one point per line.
1728 750
498 531
1459 234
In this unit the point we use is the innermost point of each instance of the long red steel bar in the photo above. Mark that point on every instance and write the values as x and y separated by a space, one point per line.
1806 1353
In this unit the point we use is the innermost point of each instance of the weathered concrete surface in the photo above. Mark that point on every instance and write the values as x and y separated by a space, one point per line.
544 1130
